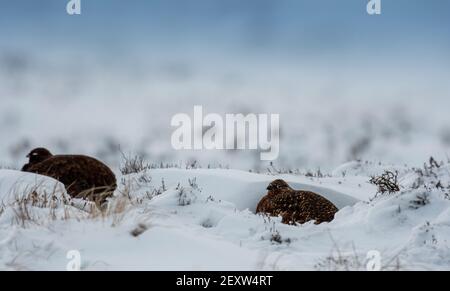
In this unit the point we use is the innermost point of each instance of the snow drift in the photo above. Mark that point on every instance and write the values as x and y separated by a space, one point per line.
203 219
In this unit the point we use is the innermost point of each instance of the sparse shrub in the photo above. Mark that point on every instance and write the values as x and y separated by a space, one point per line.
193 184
271 227
273 170
187 196
339 262
163 186
430 168
207 223
429 177
210 198
433 164
447 194
276 237
192 165
386 182
420 201
133 164
157 191
184 198
145 178
354 261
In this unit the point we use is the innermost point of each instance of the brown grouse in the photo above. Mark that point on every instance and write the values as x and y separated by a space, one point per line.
83 176
295 206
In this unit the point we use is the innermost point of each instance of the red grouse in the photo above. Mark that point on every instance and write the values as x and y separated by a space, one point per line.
295 206
83 176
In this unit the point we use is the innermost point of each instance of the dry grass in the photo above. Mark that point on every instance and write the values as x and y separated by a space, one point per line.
35 204
386 182
273 170
351 260
339 261
117 210
133 164
98 195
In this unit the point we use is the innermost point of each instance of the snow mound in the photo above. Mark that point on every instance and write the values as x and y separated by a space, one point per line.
16 186
203 219
29 199
245 189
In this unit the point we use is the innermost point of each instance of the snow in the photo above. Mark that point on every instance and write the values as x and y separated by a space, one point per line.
16 185
391 124
203 219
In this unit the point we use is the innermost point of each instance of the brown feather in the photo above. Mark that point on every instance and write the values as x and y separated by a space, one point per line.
295 206
83 176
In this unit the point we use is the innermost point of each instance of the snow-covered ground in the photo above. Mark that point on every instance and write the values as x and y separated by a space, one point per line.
203 219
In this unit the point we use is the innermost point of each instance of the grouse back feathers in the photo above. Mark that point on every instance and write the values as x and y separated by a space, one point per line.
83 176
295 206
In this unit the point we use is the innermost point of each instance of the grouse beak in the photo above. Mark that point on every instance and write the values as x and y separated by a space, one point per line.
269 188
28 156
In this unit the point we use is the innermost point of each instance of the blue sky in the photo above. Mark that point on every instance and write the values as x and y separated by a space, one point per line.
292 26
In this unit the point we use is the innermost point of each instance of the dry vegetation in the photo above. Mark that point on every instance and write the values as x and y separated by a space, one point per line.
351 260
133 164
36 206
386 182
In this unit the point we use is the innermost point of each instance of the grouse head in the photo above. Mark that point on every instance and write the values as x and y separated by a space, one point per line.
278 185
38 155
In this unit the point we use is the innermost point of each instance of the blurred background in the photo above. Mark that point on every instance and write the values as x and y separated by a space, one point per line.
347 85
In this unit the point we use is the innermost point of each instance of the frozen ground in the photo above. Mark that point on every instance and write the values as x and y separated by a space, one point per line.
203 219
